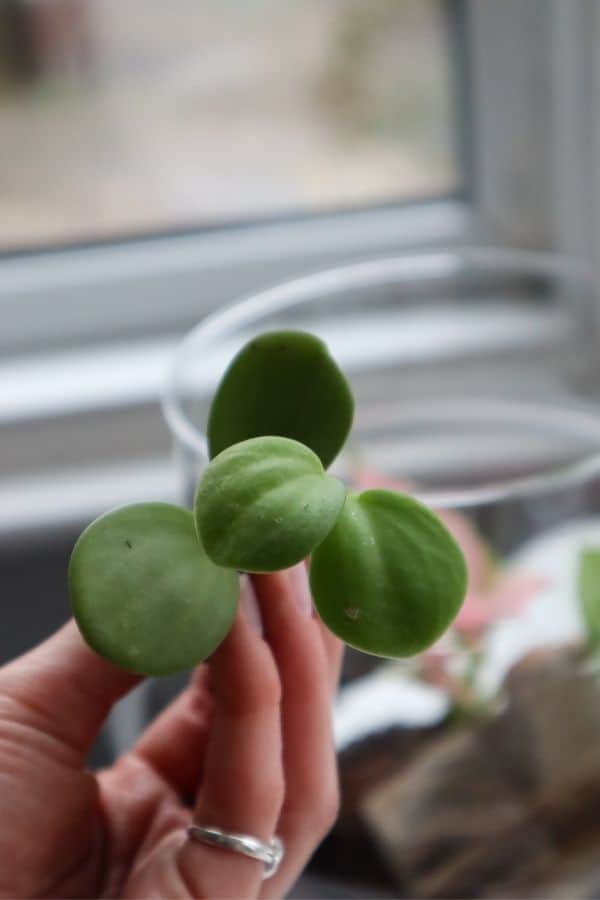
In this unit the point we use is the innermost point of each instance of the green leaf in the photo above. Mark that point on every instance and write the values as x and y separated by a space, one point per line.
389 579
589 593
283 383
264 504
144 593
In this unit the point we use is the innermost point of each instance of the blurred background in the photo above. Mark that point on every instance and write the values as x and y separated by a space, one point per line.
161 160
119 121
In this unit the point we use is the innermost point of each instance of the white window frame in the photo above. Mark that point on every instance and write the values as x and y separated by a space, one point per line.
533 137
535 92
138 288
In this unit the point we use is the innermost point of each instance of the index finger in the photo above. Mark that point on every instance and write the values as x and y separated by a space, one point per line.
64 689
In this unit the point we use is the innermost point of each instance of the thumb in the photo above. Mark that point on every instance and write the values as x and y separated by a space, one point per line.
63 689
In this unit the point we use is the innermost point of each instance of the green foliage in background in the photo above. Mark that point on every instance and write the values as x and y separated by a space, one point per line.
589 594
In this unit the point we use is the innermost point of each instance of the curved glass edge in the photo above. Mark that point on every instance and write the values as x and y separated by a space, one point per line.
434 266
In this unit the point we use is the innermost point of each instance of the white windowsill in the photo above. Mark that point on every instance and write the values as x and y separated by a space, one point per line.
79 421
68 392
161 285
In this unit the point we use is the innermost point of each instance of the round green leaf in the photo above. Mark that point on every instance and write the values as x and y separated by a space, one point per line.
144 593
283 383
264 504
389 579
589 593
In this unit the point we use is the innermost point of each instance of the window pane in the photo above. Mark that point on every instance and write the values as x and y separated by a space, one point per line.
120 116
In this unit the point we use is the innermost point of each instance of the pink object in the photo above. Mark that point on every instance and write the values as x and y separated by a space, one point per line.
505 598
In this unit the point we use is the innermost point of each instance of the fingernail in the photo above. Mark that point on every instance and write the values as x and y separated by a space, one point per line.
249 605
298 576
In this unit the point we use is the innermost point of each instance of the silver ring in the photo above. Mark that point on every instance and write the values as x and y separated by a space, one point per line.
270 854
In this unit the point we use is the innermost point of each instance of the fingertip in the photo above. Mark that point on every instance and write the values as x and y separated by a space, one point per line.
300 588
271 586
249 605
243 674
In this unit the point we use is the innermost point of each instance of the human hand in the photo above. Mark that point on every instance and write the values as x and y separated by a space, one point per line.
247 747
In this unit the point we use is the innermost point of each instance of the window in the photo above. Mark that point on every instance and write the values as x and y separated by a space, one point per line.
134 198
122 118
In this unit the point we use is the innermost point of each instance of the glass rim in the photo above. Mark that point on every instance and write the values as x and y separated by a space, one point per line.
378 272
557 477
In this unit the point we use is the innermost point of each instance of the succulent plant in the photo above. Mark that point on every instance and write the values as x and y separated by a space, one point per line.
154 588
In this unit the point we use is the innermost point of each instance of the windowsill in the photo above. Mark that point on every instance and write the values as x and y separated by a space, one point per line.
83 432
85 380
80 421
41 508
141 289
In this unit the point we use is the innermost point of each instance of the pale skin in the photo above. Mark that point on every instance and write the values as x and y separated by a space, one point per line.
246 747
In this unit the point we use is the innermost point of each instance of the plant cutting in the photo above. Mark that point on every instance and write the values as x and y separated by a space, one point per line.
154 587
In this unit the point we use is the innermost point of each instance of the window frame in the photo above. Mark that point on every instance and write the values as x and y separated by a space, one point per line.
520 62
116 289
165 284
535 91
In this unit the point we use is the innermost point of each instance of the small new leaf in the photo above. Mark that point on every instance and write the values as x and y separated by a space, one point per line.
283 383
